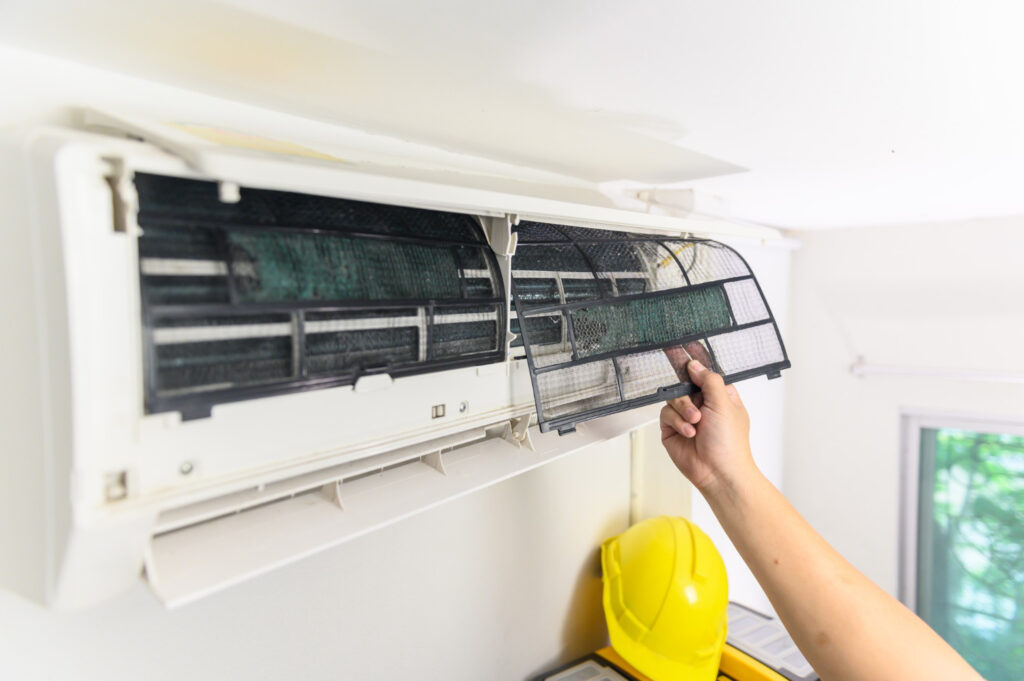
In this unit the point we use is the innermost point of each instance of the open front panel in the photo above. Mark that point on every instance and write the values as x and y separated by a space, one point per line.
608 320
280 292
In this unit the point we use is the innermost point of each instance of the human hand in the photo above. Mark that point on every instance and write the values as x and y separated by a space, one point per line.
707 435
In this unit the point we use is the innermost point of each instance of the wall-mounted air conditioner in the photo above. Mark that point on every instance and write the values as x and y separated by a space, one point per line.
219 359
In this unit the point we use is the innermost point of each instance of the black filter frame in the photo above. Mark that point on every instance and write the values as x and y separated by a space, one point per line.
581 242
170 202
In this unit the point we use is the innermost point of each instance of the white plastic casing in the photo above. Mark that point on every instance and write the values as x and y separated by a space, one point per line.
94 489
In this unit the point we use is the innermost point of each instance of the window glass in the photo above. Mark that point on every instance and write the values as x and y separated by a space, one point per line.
970 558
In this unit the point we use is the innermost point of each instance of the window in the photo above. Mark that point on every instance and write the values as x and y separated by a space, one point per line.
963 548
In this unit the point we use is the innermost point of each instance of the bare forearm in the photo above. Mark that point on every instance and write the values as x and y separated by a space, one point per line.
847 627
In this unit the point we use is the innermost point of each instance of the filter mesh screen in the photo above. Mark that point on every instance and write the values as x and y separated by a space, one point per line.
636 322
608 320
271 266
281 292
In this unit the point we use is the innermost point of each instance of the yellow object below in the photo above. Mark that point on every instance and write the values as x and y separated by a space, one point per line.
743 667
735 665
609 654
665 599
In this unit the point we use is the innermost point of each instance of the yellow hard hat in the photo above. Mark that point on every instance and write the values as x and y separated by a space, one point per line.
665 599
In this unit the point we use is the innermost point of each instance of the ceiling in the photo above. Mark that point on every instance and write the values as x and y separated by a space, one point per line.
799 114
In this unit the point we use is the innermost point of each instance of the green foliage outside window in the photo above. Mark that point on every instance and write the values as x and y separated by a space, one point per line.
970 573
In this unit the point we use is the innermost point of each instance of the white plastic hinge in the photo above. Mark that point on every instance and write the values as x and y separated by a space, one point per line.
683 202
509 337
123 195
115 487
517 432
229 192
332 491
500 235
435 461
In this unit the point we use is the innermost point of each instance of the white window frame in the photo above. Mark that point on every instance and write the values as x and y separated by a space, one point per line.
912 423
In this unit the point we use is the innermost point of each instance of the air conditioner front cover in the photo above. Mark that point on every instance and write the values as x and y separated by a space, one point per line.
609 319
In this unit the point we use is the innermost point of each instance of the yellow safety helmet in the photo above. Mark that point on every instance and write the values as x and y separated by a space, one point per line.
665 599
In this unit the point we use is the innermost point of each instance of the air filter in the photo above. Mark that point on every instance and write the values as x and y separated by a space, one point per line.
281 292
608 320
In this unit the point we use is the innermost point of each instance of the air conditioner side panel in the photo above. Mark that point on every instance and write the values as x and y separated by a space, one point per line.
70 545
35 391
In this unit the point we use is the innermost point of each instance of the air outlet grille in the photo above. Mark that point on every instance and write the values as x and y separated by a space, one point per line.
282 292
608 320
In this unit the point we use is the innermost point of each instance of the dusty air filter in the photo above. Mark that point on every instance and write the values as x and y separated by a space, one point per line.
608 320
280 292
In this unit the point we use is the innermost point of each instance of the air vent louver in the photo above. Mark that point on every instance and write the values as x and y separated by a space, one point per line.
282 292
608 319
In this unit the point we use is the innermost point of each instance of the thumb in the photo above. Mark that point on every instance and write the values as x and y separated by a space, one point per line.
710 383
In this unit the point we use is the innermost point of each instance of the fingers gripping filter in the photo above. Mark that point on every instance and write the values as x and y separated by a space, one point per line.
281 292
608 320
666 599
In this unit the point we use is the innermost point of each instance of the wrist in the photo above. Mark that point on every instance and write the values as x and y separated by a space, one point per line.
728 483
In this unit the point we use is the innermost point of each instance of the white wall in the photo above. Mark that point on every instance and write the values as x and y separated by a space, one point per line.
930 295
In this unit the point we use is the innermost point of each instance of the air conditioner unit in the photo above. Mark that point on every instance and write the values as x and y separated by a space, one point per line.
221 358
